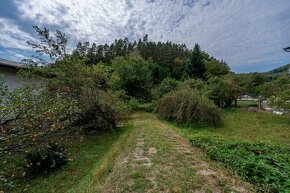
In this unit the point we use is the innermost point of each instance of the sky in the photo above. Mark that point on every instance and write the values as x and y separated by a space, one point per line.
248 34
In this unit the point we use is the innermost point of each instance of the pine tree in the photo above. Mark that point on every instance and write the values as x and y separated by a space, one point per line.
195 68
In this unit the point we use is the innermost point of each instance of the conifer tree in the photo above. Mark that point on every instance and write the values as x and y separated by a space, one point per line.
195 68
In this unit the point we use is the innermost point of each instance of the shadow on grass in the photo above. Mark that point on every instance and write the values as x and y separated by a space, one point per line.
85 154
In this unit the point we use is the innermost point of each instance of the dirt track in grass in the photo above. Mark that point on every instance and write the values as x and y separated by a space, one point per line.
157 159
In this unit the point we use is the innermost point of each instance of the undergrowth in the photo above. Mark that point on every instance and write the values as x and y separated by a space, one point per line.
264 164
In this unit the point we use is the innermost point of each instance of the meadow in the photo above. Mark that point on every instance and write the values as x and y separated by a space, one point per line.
255 145
93 158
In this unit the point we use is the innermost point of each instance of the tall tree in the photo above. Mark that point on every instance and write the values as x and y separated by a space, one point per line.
195 68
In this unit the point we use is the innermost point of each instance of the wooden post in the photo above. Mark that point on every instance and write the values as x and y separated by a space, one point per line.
260 103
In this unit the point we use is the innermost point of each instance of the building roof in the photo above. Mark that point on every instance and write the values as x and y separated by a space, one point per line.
9 64
287 49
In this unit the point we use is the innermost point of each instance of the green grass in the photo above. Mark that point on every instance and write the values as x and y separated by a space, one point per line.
256 145
91 158
248 103
174 167
241 124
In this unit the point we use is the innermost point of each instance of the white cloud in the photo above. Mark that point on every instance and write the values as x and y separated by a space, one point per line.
241 32
11 36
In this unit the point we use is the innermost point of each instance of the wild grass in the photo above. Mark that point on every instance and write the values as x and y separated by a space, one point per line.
91 158
240 124
256 145
248 103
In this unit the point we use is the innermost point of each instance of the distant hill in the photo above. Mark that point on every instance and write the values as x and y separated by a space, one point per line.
280 71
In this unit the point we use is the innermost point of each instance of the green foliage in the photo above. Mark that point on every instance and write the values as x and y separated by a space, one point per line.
266 165
250 83
185 106
133 104
216 68
195 84
53 46
97 117
45 159
167 85
149 108
116 101
278 72
133 75
4 182
281 100
46 109
272 88
223 91
195 68
159 73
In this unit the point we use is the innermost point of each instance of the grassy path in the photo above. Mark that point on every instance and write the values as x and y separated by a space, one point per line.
157 159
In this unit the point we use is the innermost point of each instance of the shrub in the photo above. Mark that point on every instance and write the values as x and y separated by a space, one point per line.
185 106
149 108
97 117
167 85
195 84
116 100
45 159
133 104
266 165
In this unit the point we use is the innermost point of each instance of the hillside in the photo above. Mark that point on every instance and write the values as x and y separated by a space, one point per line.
282 70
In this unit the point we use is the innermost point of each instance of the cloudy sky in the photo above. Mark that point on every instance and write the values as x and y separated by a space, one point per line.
248 34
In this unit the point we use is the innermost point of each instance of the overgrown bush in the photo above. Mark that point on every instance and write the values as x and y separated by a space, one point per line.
266 165
117 101
133 104
149 108
185 106
45 159
195 84
97 117
167 85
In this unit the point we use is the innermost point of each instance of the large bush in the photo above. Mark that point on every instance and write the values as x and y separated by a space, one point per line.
97 117
185 106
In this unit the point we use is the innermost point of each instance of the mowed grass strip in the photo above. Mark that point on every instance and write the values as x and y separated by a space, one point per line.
156 159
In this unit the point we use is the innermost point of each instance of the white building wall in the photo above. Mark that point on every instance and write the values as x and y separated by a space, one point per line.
10 77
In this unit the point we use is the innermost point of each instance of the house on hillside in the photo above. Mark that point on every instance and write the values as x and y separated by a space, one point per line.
9 70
